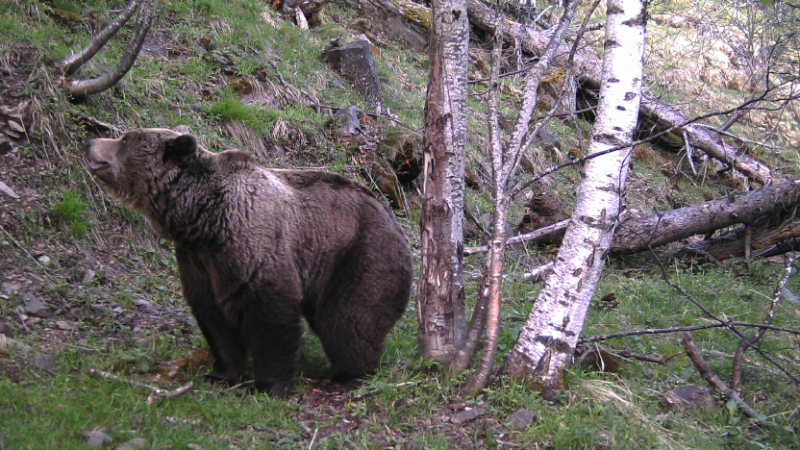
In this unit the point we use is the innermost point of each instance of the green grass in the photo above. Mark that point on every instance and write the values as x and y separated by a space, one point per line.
407 403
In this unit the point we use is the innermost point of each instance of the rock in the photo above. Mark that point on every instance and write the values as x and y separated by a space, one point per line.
354 61
689 397
44 362
16 126
44 260
98 439
6 343
466 415
88 276
4 187
34 307
194 447
347 119
64 325
11 287
520 419
132 444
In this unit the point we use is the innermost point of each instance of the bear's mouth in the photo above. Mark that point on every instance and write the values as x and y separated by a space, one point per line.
96 166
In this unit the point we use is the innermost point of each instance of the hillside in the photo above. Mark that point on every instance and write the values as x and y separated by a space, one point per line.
87 286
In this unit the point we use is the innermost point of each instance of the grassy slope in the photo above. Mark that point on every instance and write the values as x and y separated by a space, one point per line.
98 325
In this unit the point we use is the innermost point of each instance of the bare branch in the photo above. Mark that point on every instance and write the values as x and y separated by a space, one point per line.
713 379
606 337
71 63
85 88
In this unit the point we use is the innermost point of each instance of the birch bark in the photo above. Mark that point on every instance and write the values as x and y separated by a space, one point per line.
440 299
549 336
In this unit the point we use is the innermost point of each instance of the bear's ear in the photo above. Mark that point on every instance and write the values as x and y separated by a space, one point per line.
179 148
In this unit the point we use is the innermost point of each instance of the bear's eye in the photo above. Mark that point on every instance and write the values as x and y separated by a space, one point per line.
124 141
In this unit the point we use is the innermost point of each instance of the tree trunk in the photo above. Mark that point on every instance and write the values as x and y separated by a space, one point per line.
766 239
549 336
505 162
440 299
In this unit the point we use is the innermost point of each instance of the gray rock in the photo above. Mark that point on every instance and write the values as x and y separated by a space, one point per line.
44 362
354 61
34 307
466 415
132 444
88 276
520 419
98 439
194 447
4 188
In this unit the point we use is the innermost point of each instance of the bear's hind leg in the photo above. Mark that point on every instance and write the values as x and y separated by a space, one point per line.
272 324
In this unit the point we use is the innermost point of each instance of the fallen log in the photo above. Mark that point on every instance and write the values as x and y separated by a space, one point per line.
767 239
637 233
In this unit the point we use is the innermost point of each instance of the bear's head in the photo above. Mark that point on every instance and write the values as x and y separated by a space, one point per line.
138 168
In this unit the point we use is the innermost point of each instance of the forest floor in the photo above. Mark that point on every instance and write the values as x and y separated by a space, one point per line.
85 286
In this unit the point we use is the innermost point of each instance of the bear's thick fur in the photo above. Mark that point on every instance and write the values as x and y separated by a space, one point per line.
257 248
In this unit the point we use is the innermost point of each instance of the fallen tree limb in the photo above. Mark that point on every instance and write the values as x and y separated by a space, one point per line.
714 380
765 238
606 337
637 234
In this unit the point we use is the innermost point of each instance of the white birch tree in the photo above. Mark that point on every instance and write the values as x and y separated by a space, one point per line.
440 299
550 334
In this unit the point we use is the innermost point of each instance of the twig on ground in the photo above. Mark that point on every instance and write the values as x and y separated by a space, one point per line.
157 394
22 321
24 250
663 360
714 380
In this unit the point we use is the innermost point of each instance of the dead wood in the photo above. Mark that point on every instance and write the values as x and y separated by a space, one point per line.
656 116
606 337
713 379
661 359
637 234
157 392
767 239
736 380
79 88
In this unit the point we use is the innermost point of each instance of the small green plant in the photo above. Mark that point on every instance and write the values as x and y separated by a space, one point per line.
71 211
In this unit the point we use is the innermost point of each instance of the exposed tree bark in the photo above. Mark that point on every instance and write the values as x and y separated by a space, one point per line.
505 162
440 299
548 338
85 88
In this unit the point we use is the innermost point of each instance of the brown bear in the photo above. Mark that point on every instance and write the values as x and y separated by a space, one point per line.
257 248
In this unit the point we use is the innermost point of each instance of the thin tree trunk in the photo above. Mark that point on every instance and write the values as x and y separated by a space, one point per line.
85 88
440 299
549 336
504 165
